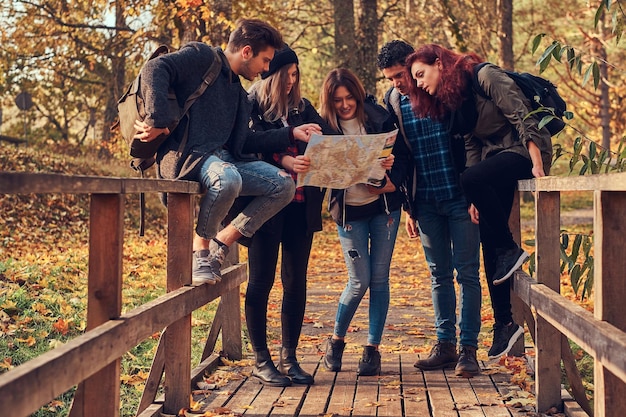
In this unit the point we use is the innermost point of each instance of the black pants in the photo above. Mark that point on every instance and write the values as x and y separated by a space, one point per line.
262 259
490 185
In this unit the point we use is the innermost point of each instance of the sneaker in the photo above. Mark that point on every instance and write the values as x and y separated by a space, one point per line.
467 366
370 362
207 264
442 355
507 262
504 337
334 353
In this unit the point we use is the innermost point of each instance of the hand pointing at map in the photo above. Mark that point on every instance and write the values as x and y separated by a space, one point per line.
304 132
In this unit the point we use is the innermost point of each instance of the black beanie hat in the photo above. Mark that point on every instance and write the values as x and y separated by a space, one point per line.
282 57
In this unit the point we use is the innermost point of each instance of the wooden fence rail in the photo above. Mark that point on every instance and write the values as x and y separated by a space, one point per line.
92 360
555 319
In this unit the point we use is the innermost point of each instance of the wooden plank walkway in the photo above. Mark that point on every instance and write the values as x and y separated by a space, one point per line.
400 391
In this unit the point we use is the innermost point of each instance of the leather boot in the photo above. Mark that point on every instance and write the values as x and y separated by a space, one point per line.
467 367
370 362
288 365
265 371
334 354
442 355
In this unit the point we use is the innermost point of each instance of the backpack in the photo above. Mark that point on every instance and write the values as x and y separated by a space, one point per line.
131 107
540 92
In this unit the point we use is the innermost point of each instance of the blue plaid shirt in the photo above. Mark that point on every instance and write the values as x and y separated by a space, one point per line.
436 177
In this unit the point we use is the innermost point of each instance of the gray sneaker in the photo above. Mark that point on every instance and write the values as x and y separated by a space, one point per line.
207 264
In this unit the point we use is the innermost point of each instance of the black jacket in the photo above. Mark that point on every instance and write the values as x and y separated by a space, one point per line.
379 120
313 196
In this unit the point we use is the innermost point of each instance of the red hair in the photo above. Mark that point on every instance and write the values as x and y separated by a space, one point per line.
454 85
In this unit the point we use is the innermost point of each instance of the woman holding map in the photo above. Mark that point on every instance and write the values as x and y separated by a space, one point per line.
367 218
277 102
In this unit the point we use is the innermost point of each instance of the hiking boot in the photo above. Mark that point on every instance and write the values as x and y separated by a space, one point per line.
370 362
504 337
467 366
207 263
334 353
265 371
288 365
442 355
507 262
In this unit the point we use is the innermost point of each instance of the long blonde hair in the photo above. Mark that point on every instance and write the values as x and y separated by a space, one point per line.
273 100
337 78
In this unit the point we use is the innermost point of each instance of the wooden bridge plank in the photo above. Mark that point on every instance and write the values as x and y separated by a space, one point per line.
262 404
318 395
244 396
488 397
389 396
342 396
414 391
439 395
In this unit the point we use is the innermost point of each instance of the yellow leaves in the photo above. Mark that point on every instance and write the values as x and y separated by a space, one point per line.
29 341
6 364
135 379
10 307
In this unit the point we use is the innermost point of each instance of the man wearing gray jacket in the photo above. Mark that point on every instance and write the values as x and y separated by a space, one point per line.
220 149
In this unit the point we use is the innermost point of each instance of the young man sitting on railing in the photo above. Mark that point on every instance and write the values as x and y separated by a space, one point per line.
220 151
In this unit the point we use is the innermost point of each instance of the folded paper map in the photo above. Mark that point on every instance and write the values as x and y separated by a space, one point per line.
339 161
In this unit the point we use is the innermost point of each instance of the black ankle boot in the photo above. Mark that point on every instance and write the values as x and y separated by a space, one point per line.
265 371
288 365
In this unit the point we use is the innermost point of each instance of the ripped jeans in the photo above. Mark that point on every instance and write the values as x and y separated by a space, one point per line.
226 178
367 246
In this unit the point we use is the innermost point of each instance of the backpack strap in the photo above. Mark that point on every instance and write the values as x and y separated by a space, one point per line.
475 84
208 78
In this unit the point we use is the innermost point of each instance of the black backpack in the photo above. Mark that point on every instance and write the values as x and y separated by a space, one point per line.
131 107
540 92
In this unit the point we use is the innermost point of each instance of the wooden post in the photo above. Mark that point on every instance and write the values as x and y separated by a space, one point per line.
610 289
548 339
178 334
517 305
99 395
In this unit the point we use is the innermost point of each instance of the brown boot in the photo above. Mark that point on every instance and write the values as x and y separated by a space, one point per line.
467 367
443 355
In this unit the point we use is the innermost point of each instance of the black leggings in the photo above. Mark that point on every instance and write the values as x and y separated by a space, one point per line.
262 259
490 185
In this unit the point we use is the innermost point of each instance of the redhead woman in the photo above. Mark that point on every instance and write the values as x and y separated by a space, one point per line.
503 146
367 218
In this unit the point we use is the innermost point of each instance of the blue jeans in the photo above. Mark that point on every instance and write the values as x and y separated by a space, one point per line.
451 241
367 246
226 178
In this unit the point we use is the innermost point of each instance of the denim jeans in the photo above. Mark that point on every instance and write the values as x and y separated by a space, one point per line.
367 246
452 242
226 178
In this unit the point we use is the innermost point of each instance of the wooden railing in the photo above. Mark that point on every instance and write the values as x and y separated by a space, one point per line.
92 360
552 319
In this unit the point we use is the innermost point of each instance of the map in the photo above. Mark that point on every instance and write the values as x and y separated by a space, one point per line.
340 161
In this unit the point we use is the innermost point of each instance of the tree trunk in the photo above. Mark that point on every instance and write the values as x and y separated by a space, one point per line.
343 11
219 29
367 44
505 34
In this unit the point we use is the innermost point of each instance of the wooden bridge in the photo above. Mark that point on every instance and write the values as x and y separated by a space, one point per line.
92 360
